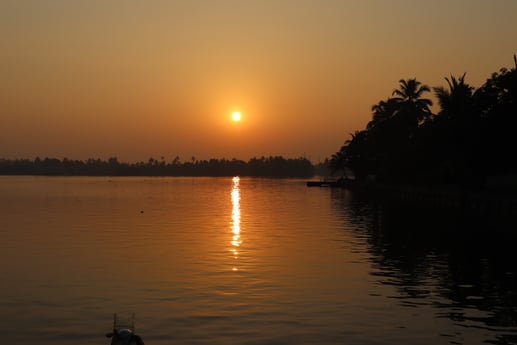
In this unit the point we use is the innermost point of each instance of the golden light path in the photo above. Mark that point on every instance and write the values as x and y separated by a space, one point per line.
236 219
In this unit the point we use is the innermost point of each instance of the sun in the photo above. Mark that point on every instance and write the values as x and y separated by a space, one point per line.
236 116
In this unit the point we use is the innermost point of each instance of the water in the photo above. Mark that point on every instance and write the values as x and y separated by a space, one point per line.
249 261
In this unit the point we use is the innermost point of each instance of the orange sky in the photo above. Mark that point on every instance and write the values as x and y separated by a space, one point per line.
140 79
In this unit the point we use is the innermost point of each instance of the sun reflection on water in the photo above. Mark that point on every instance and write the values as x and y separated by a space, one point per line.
236 220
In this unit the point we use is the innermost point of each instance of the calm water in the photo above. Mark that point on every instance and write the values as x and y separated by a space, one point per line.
255 261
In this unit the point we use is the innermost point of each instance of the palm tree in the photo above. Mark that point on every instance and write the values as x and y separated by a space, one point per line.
338 162
412 108
458 129
382 112
456 101
358 154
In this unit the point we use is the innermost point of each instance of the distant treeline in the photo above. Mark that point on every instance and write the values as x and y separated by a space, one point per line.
471 139
261 167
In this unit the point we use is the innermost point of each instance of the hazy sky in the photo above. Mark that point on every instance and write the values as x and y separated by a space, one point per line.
140 79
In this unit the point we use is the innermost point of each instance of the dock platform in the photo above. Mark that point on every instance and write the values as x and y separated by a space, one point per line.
326 183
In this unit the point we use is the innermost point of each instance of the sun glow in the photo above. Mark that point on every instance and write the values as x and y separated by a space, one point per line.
236 116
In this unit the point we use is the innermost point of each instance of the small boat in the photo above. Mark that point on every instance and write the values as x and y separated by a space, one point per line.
124 331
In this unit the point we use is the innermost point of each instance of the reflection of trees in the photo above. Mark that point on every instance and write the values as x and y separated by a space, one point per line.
451 262
264 166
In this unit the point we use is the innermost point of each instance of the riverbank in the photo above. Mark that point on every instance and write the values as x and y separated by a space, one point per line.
496 202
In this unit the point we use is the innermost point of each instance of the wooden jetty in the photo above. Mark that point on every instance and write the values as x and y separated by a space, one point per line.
340 183
321 183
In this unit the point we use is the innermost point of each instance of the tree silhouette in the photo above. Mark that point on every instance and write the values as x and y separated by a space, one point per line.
277 166
457 127
455 102
497 104
338 162
468 143
412 109
358 154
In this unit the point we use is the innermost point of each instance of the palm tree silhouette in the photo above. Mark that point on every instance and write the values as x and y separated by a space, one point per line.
456 126
338 161
382 112
456 101
413 110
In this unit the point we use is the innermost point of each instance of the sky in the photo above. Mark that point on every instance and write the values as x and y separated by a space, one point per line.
141 79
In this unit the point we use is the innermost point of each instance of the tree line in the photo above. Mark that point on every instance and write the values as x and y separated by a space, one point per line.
470 139
273 166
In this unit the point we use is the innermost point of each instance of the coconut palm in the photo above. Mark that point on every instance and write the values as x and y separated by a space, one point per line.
338 162
412 108
456 101
382 112
358 153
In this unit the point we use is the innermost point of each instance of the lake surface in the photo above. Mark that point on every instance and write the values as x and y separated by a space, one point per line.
249 261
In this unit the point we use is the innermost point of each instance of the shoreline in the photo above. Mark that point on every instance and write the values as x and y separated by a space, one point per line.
495 202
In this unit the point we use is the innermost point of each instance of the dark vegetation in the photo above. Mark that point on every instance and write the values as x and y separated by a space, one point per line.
263 167
471 140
